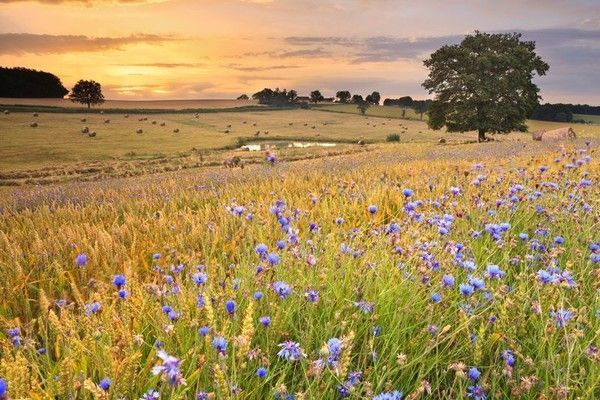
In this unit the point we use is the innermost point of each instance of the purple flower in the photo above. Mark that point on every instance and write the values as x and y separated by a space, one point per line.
168 369
92 308
407 192
290 351
474 374
282 289
261 249
476 393
81 259
219 343
3 388
265 321
312 296
364 306
261 372
372 209
104 384
199 278
466 289
273 258
494 272
230 307
203 331
561 317
448 280
119 280
395 395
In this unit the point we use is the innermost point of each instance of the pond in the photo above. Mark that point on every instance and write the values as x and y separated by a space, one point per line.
283 144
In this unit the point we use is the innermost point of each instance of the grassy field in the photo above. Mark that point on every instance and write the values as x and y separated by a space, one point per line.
592 119
131 104
315 279
58 141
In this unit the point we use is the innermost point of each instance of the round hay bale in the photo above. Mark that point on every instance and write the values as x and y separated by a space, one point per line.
101 112
176 130
226 130
441 140
361 142
33 124
35 114
139 131
153 122
85 129
229 126
83 119
6 112
162 124
266 132
92 134
107 121
126 115
244 122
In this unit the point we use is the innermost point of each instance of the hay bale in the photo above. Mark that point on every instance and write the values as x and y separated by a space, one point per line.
83 119
176 130
126 115
92 134
33 124
153 122
162 124
139 131
555 134
266 132
229 126
361 142
35 114
85 129
107 121
441 140
6 112
101 112
226 130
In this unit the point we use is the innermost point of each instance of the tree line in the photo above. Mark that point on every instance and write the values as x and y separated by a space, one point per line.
29 83
561 112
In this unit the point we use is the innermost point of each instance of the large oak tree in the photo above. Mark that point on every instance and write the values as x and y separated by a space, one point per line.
484 84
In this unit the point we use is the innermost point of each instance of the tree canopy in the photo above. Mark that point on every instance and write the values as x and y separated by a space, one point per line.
275 97
343 96
316 96
484 84
87 92
28 83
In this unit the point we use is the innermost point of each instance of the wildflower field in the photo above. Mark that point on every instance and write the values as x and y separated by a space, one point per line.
411 271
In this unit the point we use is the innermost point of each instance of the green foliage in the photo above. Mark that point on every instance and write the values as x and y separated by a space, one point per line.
87 92
363 106
394 137
316 96
343 96
484 84
29 83
275 97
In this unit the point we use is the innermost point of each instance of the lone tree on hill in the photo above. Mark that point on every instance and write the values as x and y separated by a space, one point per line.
362 105
87 92
484 84
316 96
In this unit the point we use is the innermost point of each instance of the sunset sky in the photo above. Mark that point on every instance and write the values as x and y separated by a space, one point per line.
186 49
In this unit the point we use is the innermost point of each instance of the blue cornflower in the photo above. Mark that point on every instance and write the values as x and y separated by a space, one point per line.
203 331
476 393
150 395
92 308
202 396
280 244
265 321
372 209
81 259
448 280
219 343
312 296
407 192
119 280
169 369
258 295
395 395
261 372
473 374
273 258
230 307
199 278
559 240
466 289
123 294
282 289
290 351
261 249
436 297
364 306
104 384
561 317
494 272
523 236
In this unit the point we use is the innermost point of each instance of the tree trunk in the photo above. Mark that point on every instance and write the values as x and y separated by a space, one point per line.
481 137
88 105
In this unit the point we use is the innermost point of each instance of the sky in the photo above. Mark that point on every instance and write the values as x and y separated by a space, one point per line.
191 49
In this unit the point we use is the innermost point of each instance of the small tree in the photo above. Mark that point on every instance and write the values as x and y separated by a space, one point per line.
243 97
374 98
357 99
420 106
343 96
87 92
316 96
484 84
363 106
